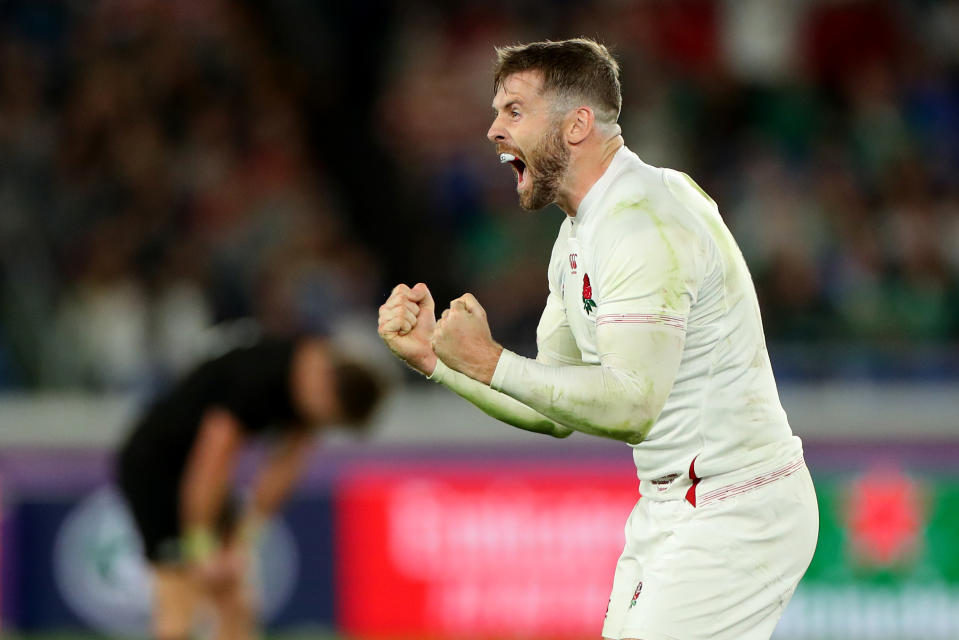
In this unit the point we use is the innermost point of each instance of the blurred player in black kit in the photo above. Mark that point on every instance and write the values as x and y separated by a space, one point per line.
176 469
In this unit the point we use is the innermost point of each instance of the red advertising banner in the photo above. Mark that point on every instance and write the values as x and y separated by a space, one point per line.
479 552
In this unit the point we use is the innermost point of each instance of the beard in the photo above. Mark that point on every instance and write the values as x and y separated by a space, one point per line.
547 165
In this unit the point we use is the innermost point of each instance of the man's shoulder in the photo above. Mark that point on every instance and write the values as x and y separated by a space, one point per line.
638 180
666 196
635 185
634 169
640 213
635 201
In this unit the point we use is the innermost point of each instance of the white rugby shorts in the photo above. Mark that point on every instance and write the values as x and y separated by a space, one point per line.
722 570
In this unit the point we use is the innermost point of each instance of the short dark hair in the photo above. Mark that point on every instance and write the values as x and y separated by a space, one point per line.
580 68
359 390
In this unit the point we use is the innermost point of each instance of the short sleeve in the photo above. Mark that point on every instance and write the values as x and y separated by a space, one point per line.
647 271
256 386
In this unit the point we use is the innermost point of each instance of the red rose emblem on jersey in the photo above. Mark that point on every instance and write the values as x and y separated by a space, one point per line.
588 304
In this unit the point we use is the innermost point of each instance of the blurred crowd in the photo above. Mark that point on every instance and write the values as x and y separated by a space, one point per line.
157 180
168 167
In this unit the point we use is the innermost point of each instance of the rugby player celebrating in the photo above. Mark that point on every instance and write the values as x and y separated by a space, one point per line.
651 335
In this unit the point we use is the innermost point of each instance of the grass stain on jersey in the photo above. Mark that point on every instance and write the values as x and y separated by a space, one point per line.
675 283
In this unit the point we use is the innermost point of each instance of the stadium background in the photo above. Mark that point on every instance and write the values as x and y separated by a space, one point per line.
173 173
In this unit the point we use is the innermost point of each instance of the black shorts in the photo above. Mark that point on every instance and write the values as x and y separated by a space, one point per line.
153 494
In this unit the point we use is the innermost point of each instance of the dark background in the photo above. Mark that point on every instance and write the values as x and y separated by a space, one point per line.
169 165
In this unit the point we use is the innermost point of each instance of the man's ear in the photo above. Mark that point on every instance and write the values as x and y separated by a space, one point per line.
580 125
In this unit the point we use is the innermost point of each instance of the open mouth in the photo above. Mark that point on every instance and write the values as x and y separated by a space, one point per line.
518 166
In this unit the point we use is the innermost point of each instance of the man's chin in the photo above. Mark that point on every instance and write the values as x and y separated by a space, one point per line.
527 196
528 204
533 201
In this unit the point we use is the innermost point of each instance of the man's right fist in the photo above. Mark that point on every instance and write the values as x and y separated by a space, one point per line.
406 324
398 313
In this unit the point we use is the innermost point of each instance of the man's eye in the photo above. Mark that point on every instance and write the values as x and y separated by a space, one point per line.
514 114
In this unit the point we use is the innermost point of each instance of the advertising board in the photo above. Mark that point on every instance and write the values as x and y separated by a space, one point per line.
453 553
513 552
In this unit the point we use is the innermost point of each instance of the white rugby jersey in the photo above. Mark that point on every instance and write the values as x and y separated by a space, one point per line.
647 281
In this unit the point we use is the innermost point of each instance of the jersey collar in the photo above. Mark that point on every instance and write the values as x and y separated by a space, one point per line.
599 187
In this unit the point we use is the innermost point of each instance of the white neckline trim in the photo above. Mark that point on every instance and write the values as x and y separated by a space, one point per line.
599 187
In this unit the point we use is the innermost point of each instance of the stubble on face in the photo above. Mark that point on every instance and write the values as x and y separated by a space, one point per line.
547 164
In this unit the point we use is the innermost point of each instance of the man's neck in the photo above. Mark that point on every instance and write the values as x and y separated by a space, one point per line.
584 171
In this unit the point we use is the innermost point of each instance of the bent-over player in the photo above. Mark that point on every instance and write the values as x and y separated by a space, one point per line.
176 468
651 335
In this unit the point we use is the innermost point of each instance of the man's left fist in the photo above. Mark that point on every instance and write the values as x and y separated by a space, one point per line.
463 341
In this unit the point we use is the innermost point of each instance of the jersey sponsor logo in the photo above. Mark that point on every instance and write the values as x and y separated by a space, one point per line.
639 590
662 484
588 304
572 262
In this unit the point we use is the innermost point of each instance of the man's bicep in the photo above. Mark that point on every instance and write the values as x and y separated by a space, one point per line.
555 343
646 354
640 347
220 431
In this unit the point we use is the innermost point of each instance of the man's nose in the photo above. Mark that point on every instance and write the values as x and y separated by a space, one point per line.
495 133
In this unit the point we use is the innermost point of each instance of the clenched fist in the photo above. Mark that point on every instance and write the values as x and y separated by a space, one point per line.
462 339
406 323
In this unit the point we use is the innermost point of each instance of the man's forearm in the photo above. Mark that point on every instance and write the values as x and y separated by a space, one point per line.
209 470
203 495
280 472
495 404
620 399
